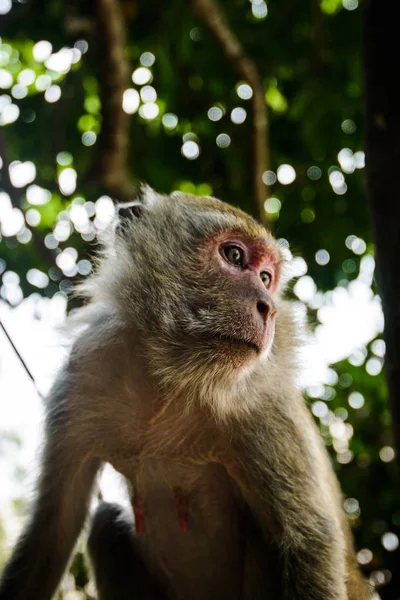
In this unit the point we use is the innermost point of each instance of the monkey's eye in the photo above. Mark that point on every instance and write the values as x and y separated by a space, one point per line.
234 255
266 278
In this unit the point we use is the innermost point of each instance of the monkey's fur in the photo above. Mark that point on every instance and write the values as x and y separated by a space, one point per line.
179 382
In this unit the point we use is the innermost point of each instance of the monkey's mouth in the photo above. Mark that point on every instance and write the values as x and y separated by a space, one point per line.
233 340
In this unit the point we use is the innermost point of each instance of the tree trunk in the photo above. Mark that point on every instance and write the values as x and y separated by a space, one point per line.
382 147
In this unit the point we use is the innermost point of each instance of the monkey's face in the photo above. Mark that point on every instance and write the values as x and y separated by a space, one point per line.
234 280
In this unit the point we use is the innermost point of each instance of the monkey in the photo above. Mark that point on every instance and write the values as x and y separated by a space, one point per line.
183 378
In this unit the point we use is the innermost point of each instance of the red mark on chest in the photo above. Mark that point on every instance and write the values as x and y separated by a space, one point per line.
182 514
139 514
181 503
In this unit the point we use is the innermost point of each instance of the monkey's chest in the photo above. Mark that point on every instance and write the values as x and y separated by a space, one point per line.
188 520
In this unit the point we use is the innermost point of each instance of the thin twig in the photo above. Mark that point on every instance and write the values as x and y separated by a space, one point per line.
20 358
211 13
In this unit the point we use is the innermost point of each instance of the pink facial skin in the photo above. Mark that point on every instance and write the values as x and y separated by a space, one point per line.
260 256
250 285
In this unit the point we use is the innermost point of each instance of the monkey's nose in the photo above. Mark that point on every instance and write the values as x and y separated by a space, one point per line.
266 309
263 308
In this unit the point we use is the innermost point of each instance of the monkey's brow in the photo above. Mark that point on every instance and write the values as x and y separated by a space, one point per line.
267 245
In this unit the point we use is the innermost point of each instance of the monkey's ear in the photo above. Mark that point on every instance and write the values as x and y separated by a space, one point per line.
130 210
146 199
127 212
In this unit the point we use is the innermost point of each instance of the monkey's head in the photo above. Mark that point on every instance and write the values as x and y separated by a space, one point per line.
200 280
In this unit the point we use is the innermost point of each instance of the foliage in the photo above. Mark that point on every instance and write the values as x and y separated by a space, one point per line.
309 59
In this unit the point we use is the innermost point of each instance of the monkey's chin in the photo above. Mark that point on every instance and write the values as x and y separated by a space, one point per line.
236 352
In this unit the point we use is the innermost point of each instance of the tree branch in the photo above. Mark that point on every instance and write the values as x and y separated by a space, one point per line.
213 17
109 169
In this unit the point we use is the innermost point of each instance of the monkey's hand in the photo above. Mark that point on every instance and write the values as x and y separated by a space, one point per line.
287 483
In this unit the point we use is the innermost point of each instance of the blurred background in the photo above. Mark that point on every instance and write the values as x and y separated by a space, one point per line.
258 103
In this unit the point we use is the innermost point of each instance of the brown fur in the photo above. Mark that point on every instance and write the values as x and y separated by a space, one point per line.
157 386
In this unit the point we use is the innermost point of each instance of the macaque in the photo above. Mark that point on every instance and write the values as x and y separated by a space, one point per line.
183 379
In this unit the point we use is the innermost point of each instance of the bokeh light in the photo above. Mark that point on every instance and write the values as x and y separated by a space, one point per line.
67 181
356 400
89 138
348 126
259 9
387 454
190 150
147 59
215 113
322 257
130 101
223 140
149 111
53 93
22 173
42 50
272 206
314 173
5 6
141 76
269 178
390 541
244 91
238 115
170 121
286 174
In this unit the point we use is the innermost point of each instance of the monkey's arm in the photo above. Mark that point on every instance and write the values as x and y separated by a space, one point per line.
288 485
67 475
